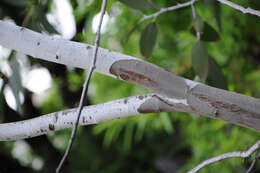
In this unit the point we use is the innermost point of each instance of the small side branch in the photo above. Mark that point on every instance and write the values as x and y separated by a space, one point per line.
253 163
242 154
240 8
172 8
163 10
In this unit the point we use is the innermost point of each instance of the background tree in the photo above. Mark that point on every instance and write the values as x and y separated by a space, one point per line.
173 147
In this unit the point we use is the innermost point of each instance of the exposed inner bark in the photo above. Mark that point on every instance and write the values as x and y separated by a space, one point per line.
150 76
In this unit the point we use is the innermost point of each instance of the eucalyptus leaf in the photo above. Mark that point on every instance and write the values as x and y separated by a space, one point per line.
42 20
254 4
15 83
148 39
215 76
2 102
217 11
198 24
199 58
17 3
208 34
142 5
217 14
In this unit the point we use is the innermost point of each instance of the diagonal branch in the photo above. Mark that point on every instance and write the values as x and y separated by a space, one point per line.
240 8
150 103
158 13
204 100
242 154
85 88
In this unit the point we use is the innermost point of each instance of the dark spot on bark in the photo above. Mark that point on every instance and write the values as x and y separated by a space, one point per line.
216 113
124 76
90 117
125 101
55 117
57 57
42 130
132 76
22 28
71 123
67 112
84 120
228 106
88 47
51 127
38 43
141 97
145 111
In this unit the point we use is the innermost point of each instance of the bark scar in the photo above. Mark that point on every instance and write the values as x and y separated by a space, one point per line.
132 76
228 106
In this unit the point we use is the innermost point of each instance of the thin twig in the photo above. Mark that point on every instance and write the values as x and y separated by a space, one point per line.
253 163
85 88
156 14
3 76
242 154
240 8
163 10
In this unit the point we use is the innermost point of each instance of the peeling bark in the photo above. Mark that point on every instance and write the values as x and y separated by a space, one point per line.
225 105
150 76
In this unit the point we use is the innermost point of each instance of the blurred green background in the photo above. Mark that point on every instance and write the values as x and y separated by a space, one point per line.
165 142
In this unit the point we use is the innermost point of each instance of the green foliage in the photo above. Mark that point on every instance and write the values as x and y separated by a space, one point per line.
134 144
15 82
215 76
207 33
199 57
142 5
255 4
148 39
18 3
198 24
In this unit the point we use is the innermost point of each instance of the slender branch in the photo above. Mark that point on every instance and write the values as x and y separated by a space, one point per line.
242 154
253 163
240 8
85 88
167 9
209 101
158 13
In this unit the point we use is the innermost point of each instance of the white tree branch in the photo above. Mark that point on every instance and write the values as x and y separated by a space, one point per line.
212 102
85 88
91 115
240 8
242 154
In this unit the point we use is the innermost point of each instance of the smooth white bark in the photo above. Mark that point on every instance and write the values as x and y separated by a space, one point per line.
56 49
90 115
194 97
